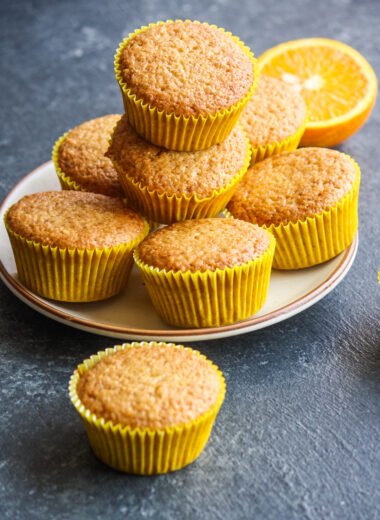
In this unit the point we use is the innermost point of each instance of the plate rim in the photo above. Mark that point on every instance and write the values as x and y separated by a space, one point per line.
250 324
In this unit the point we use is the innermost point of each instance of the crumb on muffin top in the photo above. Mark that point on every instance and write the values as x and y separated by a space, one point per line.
186 68
150 386
180 173
275 112
81 156
204 244
293 186
73 219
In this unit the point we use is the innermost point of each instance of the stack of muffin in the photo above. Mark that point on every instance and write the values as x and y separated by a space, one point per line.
194 123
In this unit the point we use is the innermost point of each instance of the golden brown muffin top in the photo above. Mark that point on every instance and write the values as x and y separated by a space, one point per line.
150 386
182 173
275 112
81 156
74 219
187 68
198 245
293 186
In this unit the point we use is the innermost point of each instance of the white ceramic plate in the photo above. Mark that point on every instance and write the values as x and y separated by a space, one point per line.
130 315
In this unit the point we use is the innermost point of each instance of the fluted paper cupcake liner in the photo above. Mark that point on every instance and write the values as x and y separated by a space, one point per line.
144 451
259 153
72 275
317 239
162 207
210 298
178 132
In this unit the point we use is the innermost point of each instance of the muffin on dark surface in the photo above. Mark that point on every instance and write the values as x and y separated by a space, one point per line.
147 407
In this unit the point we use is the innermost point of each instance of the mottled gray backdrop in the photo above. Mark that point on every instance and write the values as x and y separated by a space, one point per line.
298 435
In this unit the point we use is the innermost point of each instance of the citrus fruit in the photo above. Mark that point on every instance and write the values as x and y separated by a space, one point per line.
337 83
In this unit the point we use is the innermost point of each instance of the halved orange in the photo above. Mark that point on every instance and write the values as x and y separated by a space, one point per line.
337 83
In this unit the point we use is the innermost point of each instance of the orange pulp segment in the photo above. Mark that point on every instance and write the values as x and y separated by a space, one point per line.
337 83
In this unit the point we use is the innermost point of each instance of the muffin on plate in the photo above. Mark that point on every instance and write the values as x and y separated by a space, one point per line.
79 158
168 186
184 83
274 119
73 246
206 272
147 407
307 198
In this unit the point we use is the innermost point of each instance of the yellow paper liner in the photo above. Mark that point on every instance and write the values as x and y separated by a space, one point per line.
73 275
144 451
259 153
178 132
317 239
210 298
161 207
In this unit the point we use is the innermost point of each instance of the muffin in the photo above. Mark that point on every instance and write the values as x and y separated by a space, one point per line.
79 158
206 272
184 83
274 119
73 246
308 200
168 186
147 407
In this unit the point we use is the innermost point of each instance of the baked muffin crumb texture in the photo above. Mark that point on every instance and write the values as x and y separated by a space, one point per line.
180 173
275 112
186 68
204 244
150 386
81 156
73 219
293 186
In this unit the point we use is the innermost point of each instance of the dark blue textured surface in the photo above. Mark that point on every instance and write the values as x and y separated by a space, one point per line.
299 433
